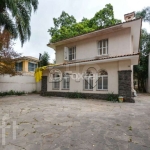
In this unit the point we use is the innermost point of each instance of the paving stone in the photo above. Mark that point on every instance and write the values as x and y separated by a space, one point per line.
57 123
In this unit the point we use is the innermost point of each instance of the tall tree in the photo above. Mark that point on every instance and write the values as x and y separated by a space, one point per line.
44 59
15 17
145 14
141 70
65 26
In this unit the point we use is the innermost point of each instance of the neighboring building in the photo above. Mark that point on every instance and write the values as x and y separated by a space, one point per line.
26 64
96 63
25 82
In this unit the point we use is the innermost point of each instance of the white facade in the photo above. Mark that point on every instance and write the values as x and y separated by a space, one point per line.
118 44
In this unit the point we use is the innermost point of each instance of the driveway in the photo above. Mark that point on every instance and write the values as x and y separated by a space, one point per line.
52 123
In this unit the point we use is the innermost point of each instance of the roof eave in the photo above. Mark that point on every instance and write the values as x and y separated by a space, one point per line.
130 57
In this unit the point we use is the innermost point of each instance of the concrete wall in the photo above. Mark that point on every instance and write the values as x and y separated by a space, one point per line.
119 43
112 69
24 83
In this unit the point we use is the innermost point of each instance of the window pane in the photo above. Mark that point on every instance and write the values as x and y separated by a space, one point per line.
86 83
100 51
99 82
91 83
100 44
104 51
105 82
66 82
104 43
72 53
32 66
18 66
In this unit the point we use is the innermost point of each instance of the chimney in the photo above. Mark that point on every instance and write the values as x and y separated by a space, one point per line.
129 16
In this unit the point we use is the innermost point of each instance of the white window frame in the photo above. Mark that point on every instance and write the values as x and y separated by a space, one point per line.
102 76
32 69
102 48
88 78
73 53
56 81
65 80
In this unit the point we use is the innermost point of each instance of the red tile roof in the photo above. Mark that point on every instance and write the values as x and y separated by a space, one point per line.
96 59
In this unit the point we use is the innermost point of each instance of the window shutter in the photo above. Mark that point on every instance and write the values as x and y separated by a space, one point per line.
66 55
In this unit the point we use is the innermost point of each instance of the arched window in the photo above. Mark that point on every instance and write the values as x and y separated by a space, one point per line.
66 81
88 80
102 80
56 80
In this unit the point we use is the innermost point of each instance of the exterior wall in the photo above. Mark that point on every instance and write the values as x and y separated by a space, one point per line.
112 69
24 83
119 43
125 85
25 66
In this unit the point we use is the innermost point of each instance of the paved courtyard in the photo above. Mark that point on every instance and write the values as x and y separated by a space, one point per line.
54 123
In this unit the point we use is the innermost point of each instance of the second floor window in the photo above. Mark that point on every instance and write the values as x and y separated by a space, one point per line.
18 66
103 47
32 66
72 53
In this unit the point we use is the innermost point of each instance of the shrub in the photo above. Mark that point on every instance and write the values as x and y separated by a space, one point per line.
112 97
11 92
75 95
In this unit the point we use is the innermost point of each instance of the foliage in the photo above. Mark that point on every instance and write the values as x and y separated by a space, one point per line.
112 97
12 93
44 59
15 17
144 14
75 95
7 54
141 70
66 27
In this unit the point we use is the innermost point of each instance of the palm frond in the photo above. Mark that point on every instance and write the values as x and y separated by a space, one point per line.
8 24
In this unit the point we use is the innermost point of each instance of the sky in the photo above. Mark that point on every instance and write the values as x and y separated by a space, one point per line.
42 19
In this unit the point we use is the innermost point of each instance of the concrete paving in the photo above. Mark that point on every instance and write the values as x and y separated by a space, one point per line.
54 123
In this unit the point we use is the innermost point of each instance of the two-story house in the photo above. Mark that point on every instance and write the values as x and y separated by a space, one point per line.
96 63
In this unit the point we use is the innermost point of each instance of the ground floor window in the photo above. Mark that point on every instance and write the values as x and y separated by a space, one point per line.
102 80
66 81
88 81
56 81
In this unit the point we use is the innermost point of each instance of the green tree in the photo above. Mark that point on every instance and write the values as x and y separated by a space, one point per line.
65 26
144 14
141 70
44 59
15 17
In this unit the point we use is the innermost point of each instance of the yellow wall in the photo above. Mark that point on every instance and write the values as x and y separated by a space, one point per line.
25 66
